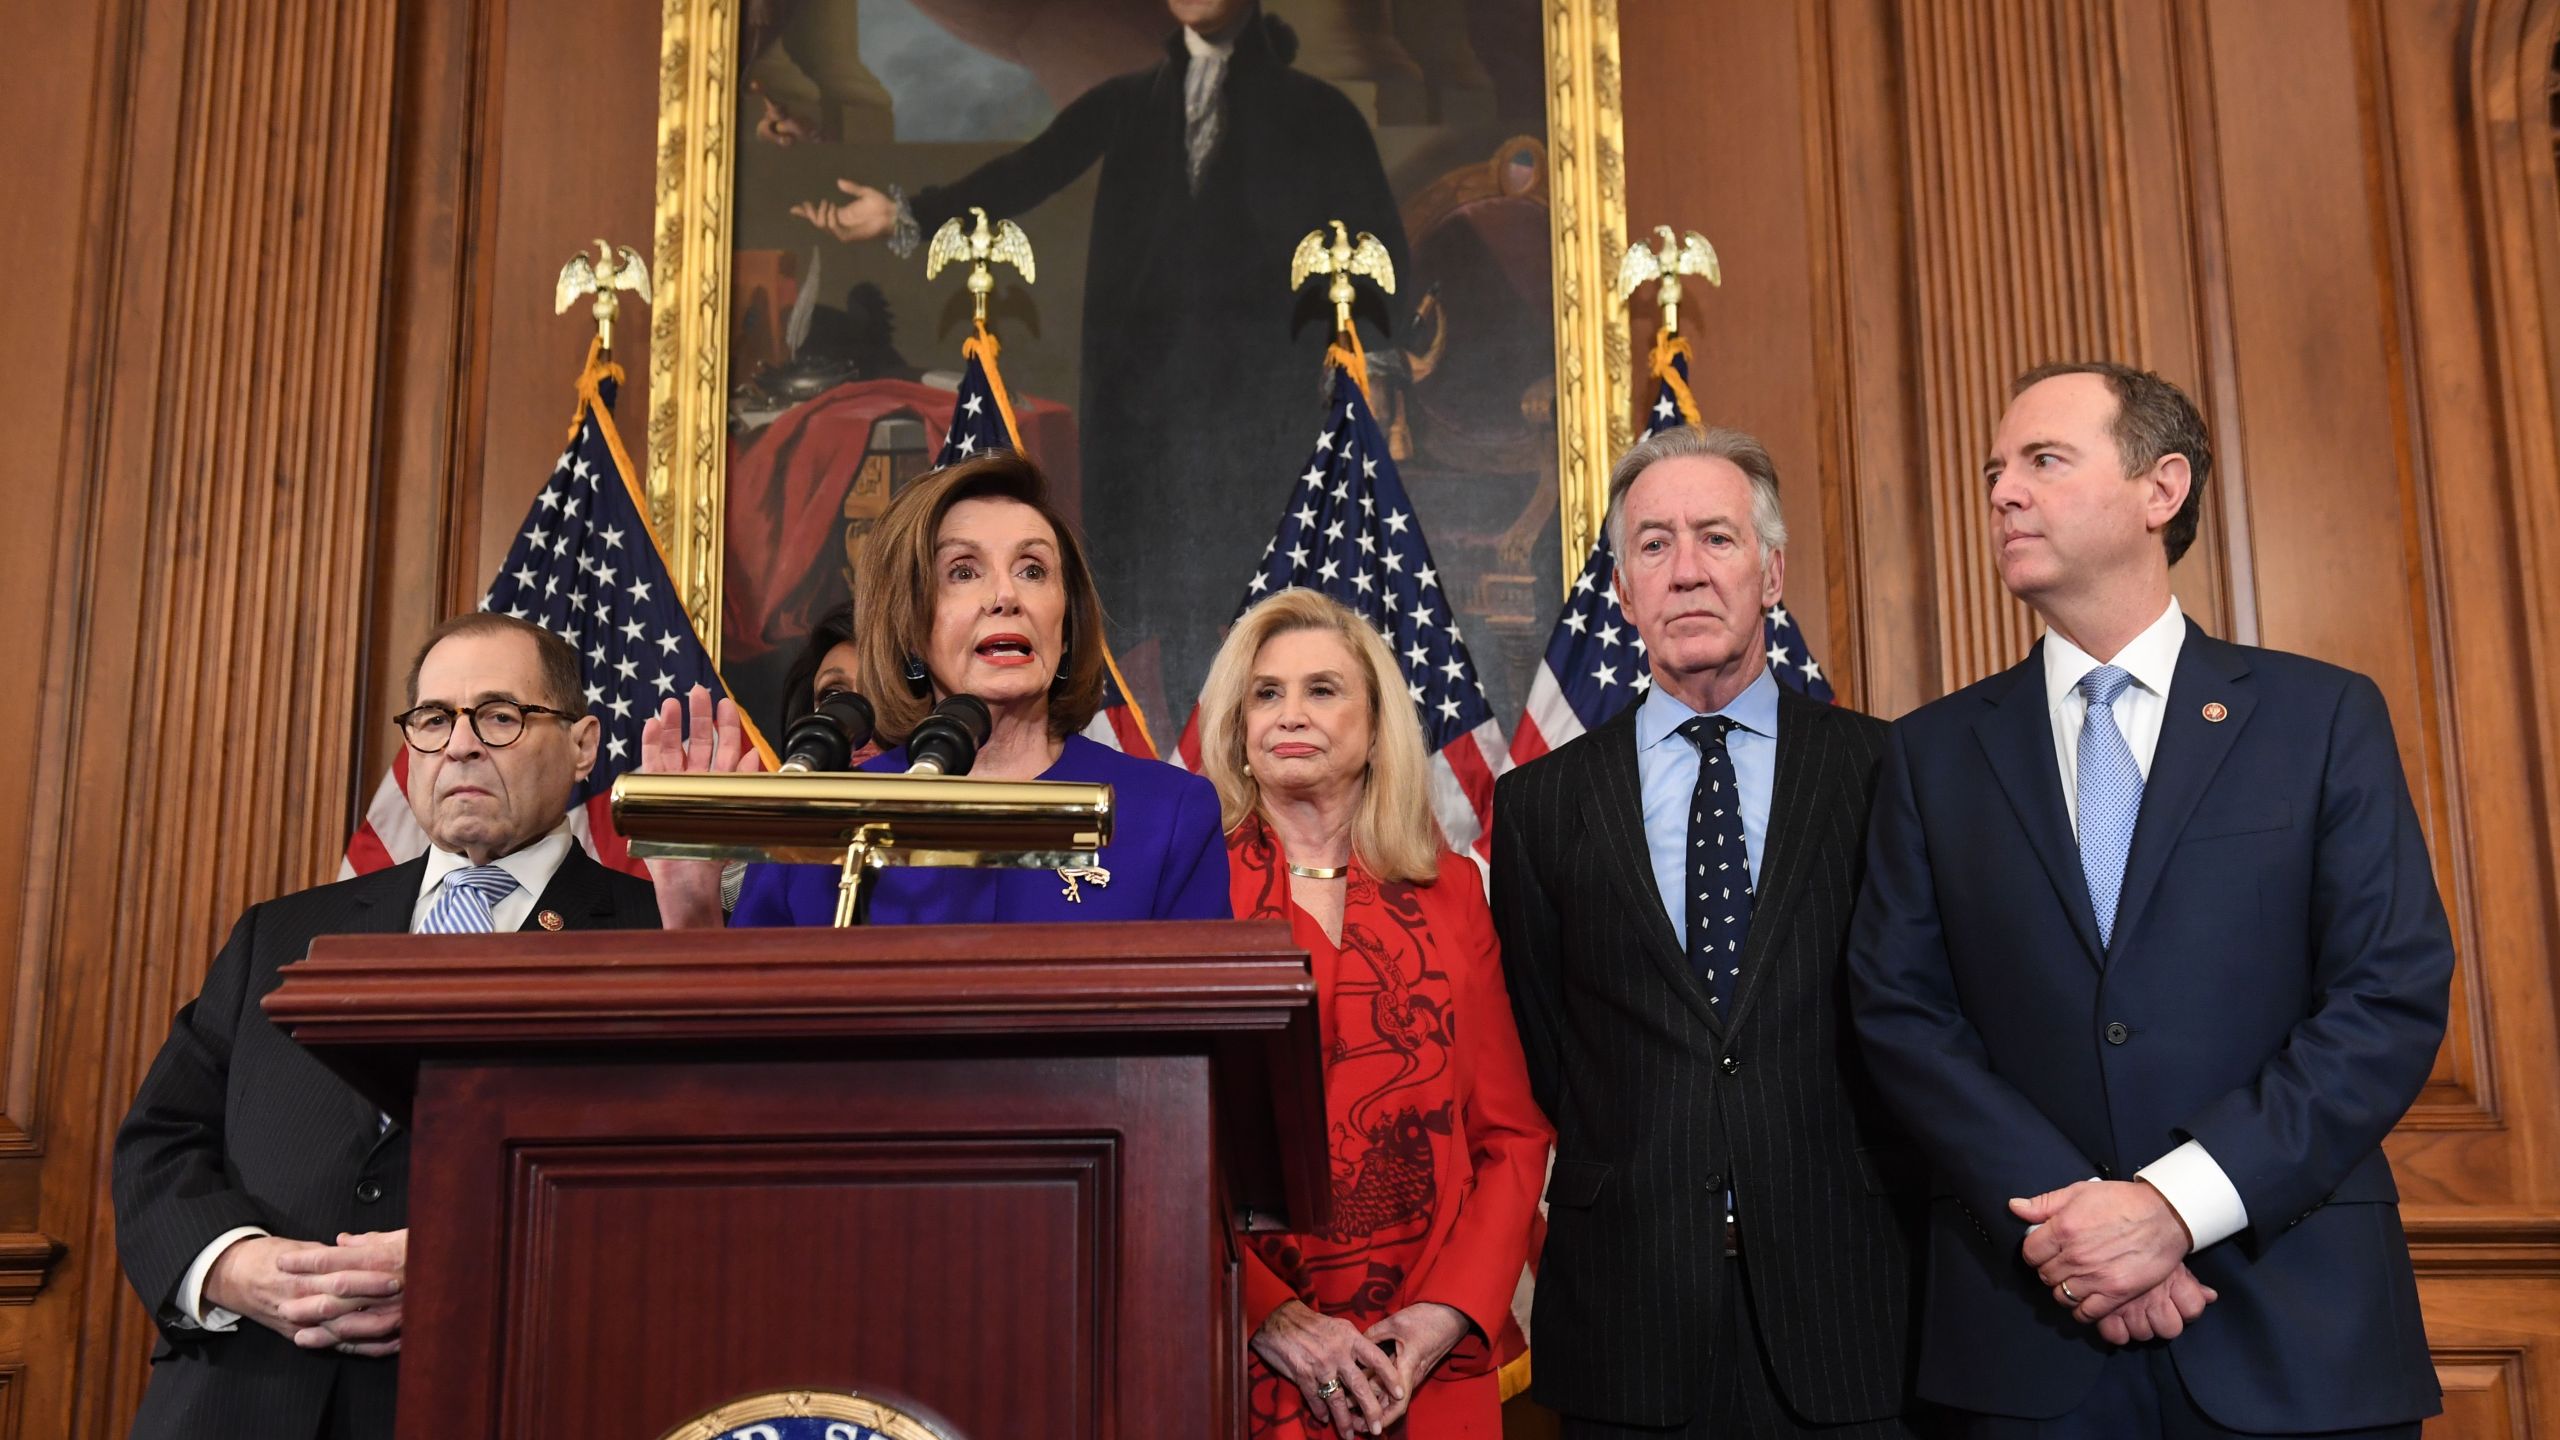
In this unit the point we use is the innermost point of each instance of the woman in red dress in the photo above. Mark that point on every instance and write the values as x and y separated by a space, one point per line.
1396 1318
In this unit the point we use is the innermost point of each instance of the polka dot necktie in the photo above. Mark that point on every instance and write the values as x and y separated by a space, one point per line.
470 894
2110 794
1719 865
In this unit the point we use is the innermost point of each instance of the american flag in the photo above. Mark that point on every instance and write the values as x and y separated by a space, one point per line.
1595 664
1350 532
982 421
586 567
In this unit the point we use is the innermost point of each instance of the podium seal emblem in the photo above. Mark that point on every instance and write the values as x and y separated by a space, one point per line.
814 1415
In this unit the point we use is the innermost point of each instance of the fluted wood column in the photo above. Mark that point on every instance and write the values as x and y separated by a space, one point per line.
200 557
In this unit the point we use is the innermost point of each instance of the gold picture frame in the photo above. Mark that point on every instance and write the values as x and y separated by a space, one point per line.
689 326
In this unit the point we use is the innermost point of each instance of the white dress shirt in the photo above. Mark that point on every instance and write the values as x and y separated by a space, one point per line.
1204 97
2190 1179
533 866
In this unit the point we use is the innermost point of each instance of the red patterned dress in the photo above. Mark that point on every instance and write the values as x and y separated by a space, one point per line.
1438 1152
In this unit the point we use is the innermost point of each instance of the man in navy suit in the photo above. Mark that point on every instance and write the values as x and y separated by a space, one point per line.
2150 959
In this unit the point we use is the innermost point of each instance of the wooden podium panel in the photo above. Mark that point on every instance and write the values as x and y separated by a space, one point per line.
650 1176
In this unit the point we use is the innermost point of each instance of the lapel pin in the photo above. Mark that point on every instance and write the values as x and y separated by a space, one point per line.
2215 712
550 920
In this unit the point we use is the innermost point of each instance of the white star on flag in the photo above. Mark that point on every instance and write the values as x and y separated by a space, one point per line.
1349 530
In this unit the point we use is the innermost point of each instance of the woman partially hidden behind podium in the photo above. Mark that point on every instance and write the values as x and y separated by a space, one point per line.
1394 1320
973 585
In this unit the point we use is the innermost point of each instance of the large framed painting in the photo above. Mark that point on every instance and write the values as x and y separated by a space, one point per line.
1163 157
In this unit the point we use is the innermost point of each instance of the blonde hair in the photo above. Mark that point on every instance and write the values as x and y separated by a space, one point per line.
1394 833
895 573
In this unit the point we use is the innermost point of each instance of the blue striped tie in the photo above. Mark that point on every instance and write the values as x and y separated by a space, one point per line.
2110 796
469 895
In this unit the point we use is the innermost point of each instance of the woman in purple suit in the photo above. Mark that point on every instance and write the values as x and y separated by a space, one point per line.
973 585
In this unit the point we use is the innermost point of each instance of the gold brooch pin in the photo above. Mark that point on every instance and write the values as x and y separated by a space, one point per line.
1100 877
2215 712
550 920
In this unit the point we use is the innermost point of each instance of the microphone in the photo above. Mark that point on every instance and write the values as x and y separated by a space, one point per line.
825 738
946 742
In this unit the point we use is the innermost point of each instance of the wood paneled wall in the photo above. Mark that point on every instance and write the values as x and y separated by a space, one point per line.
190 399
281 368
2334 222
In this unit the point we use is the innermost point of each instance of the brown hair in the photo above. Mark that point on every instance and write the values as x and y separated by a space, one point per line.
895 574
560 673
1393 832
2154 420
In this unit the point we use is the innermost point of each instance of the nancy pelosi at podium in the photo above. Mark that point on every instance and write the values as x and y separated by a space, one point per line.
973 584
1437 1150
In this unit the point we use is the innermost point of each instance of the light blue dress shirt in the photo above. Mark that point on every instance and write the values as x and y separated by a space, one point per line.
1667 767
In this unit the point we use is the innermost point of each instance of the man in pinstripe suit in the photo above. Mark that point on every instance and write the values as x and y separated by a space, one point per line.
1729 1231
251 1183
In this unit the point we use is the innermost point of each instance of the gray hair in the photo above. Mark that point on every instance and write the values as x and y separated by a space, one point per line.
1768 521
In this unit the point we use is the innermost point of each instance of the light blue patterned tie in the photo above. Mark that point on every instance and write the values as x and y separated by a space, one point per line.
2110 796
469 895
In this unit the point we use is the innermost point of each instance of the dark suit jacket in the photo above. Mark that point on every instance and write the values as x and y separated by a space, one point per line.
1658 1103
237 1125
2276 990
1198 364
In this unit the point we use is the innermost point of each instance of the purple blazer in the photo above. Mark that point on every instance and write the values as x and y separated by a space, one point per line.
1167 861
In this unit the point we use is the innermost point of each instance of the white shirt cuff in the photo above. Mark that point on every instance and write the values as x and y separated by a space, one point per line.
193 1313
2204 1197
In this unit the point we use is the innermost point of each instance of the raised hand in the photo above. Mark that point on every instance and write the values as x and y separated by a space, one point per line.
713 742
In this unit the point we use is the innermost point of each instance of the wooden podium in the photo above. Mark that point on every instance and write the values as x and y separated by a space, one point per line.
992 1170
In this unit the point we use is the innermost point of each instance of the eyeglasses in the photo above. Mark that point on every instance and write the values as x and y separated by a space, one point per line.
499 724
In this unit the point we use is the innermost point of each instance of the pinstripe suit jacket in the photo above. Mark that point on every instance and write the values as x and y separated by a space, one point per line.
1659 1103
237 1125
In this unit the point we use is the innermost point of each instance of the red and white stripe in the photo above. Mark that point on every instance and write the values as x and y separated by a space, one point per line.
1546 722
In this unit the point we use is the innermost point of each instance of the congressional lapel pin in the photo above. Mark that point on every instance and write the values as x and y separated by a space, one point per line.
550 920
2215 712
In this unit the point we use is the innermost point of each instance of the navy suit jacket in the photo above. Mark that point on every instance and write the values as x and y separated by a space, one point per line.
2275 989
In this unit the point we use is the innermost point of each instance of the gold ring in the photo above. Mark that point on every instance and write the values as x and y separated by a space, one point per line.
1329 1388
2067 1295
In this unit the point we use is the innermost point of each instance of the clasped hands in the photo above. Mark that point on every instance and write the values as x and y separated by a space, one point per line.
1370 1386
343 1297
2113 1252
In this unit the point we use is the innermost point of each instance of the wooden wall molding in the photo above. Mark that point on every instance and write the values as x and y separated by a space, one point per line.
26 1262
2479 1244
2022 252
208 587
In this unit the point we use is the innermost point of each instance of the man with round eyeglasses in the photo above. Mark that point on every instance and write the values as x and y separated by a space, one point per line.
251 1183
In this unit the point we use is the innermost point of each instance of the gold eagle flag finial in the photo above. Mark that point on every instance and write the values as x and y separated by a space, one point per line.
615 268
983 246
1342 259
1679 255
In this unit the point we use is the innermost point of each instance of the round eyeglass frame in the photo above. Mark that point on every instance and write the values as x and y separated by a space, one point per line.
470 715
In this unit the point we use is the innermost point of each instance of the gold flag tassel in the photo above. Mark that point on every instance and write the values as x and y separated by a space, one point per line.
1670 346
1345 353
982 347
